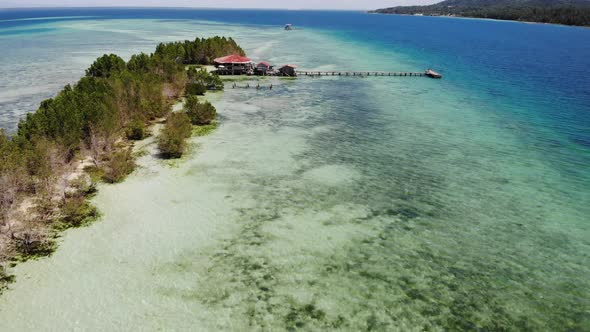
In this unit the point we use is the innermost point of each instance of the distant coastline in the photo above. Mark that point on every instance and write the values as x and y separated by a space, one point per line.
372 12
561 12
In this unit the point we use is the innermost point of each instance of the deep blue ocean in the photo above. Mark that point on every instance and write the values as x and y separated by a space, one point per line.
468 198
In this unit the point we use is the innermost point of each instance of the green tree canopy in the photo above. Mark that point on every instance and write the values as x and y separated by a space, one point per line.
172 139
106 65
199 113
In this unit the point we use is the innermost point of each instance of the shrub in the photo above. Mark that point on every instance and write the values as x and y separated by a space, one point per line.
32 244
215 82
136 130
196 89
119 165
5 278
172 139
83 187
76 212
199 113
211 81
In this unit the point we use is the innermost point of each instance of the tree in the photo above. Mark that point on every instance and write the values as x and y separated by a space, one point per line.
172 139
106 66
199 51
196 89
9 181
199 113
140 63
120 165
214 82
211 81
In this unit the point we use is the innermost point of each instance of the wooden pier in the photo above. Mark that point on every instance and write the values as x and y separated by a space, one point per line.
367 73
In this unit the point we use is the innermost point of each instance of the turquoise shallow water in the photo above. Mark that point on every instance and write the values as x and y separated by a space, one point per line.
332 203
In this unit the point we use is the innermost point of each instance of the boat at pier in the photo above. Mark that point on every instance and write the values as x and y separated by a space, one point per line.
431 73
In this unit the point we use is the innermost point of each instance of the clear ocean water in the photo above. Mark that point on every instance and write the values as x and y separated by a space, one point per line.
386 204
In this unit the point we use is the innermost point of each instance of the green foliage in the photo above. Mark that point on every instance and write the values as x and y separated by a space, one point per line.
5 279
211 81
569 12
139 95
136 130
98 107
172 139
199 113
106 66
119 165
31 245
204 129
214 82
196 89
13 173
95 103
75 212
83 187
58 119
200 51
38 155
140 63
67 118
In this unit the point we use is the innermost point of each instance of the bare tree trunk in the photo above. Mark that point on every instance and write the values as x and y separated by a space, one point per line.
8 196
95 146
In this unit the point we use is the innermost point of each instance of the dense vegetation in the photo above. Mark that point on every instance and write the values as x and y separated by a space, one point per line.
178 127
199 51
569 12
92 121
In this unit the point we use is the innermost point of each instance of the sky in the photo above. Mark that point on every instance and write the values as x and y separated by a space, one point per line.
290 4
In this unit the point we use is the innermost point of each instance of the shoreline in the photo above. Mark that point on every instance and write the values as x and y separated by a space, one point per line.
51 173
81 170
484 19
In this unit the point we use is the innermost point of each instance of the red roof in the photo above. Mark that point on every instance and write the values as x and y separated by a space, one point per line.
288 65
233 58
264 63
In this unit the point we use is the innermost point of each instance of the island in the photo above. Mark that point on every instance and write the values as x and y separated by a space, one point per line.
50 168
566 12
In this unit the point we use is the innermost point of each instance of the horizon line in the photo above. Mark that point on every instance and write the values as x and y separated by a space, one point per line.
181 7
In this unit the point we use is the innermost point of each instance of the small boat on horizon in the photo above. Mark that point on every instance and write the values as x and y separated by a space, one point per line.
289 26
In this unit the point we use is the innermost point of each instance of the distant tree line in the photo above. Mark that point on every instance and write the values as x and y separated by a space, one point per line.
113 103
201 51
542 11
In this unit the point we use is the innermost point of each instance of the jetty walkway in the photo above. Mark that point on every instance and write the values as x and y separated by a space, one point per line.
428 73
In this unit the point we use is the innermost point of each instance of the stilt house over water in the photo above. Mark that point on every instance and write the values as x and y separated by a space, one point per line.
234 65
288 70
264 68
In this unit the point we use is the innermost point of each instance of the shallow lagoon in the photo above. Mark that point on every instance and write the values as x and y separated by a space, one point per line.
332 203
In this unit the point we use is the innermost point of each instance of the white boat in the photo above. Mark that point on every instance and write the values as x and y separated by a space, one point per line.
432 73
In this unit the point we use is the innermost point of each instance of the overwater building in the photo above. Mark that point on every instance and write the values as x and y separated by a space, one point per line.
234 64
